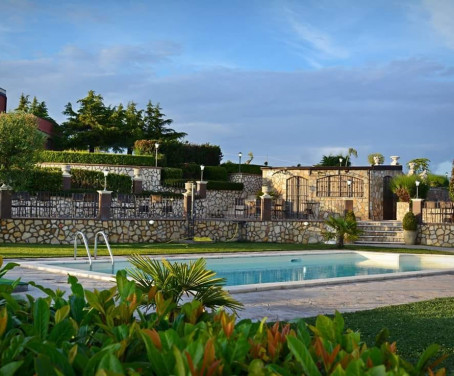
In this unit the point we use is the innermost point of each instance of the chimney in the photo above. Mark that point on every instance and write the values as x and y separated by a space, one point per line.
2 100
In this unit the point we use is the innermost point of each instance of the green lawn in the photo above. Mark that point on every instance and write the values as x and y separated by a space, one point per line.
39 250
412 326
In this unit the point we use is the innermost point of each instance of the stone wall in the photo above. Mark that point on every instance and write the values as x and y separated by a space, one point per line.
55 231
436 234
252 183
402 209
377 177
151 175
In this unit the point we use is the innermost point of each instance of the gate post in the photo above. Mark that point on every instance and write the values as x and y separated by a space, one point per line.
5 201
265 207
105 203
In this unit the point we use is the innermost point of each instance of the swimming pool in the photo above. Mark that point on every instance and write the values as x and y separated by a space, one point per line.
267 271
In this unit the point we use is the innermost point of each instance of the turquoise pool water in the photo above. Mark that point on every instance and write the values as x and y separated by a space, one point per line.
246 270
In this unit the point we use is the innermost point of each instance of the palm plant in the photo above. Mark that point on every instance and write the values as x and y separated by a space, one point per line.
176 281
341 229
350 152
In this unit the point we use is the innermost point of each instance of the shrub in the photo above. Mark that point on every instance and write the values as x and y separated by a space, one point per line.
171 173
437 180
95 158
38 179
404 187
409 222
213 185
232 168
215 173
106 333
350 216
94 180
370 158
341 229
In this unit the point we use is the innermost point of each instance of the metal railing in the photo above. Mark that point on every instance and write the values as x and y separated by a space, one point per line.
438 212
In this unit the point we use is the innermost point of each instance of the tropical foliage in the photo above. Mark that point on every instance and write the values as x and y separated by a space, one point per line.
342 229
404 187
106 333
334 161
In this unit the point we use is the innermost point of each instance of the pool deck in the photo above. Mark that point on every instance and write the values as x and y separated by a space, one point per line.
292 303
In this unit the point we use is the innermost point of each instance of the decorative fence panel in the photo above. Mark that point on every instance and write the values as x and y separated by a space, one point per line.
438 212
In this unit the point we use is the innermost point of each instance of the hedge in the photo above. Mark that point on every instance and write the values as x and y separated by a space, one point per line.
38 179
214 185
233 168
95 158
171 173
94 180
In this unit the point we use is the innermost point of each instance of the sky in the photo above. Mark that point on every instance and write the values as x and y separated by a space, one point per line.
288 81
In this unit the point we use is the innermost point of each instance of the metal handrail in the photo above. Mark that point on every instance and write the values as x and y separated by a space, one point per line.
107 244
84 238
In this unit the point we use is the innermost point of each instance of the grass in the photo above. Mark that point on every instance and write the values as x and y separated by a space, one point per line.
121 249
412 326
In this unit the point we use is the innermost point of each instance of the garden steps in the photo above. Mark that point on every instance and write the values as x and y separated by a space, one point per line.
380 232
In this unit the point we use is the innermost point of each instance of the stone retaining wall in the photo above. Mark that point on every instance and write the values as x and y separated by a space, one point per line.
436 234
252 183
62 231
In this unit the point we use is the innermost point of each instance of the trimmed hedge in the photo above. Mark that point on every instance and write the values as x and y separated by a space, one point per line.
95 158
217 173
38 179
94 180
214 185
232 168
174 182
171 173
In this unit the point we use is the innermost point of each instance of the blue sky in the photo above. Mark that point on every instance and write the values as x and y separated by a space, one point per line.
289 81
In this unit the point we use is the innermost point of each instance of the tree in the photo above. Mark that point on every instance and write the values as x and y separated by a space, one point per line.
19 140
156 127
333 160
420 165
341 229
350 152
92 126
35 107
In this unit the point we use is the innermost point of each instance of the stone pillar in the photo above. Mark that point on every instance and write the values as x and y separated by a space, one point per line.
105 201
5 201
137 186
187 199
417 205
202 189
66 177
265 207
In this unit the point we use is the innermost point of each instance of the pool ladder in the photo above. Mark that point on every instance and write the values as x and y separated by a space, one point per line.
84 239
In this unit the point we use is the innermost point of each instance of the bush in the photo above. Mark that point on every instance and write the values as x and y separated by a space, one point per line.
94 158
215 173
404 187
106 333
213 185
350 216
94 180
232 168
437 180
409 222
171 173
38 179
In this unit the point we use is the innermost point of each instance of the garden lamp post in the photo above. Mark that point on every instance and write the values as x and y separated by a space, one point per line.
105 172
202 167
240 154
156 146
417 186
340 162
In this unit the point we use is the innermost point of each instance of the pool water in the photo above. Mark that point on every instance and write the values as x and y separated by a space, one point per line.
246 270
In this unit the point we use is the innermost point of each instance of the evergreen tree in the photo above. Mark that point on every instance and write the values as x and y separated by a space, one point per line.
156 127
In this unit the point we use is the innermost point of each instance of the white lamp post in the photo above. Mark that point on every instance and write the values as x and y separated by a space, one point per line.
340 161
417 186
202 167
156 157
105 172
240 154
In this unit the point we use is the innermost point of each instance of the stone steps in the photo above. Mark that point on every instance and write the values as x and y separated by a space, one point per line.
380 232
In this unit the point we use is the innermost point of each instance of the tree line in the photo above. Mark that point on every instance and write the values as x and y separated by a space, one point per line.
96 126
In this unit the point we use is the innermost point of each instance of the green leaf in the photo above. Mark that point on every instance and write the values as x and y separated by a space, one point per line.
325 327
44 366
377 371
77 304
109 362
61 332
303 356
93 300
62 313
425 357
382 337
41 317
354 368
76 287
338 371
179 362
10 368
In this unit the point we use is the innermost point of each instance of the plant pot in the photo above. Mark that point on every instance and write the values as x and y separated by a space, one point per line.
410 237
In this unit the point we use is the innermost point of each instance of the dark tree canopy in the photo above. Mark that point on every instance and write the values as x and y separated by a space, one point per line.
34 107
334 161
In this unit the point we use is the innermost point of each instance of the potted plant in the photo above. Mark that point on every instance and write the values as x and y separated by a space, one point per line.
410 225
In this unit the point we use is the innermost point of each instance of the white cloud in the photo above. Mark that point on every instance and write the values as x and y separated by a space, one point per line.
441 17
